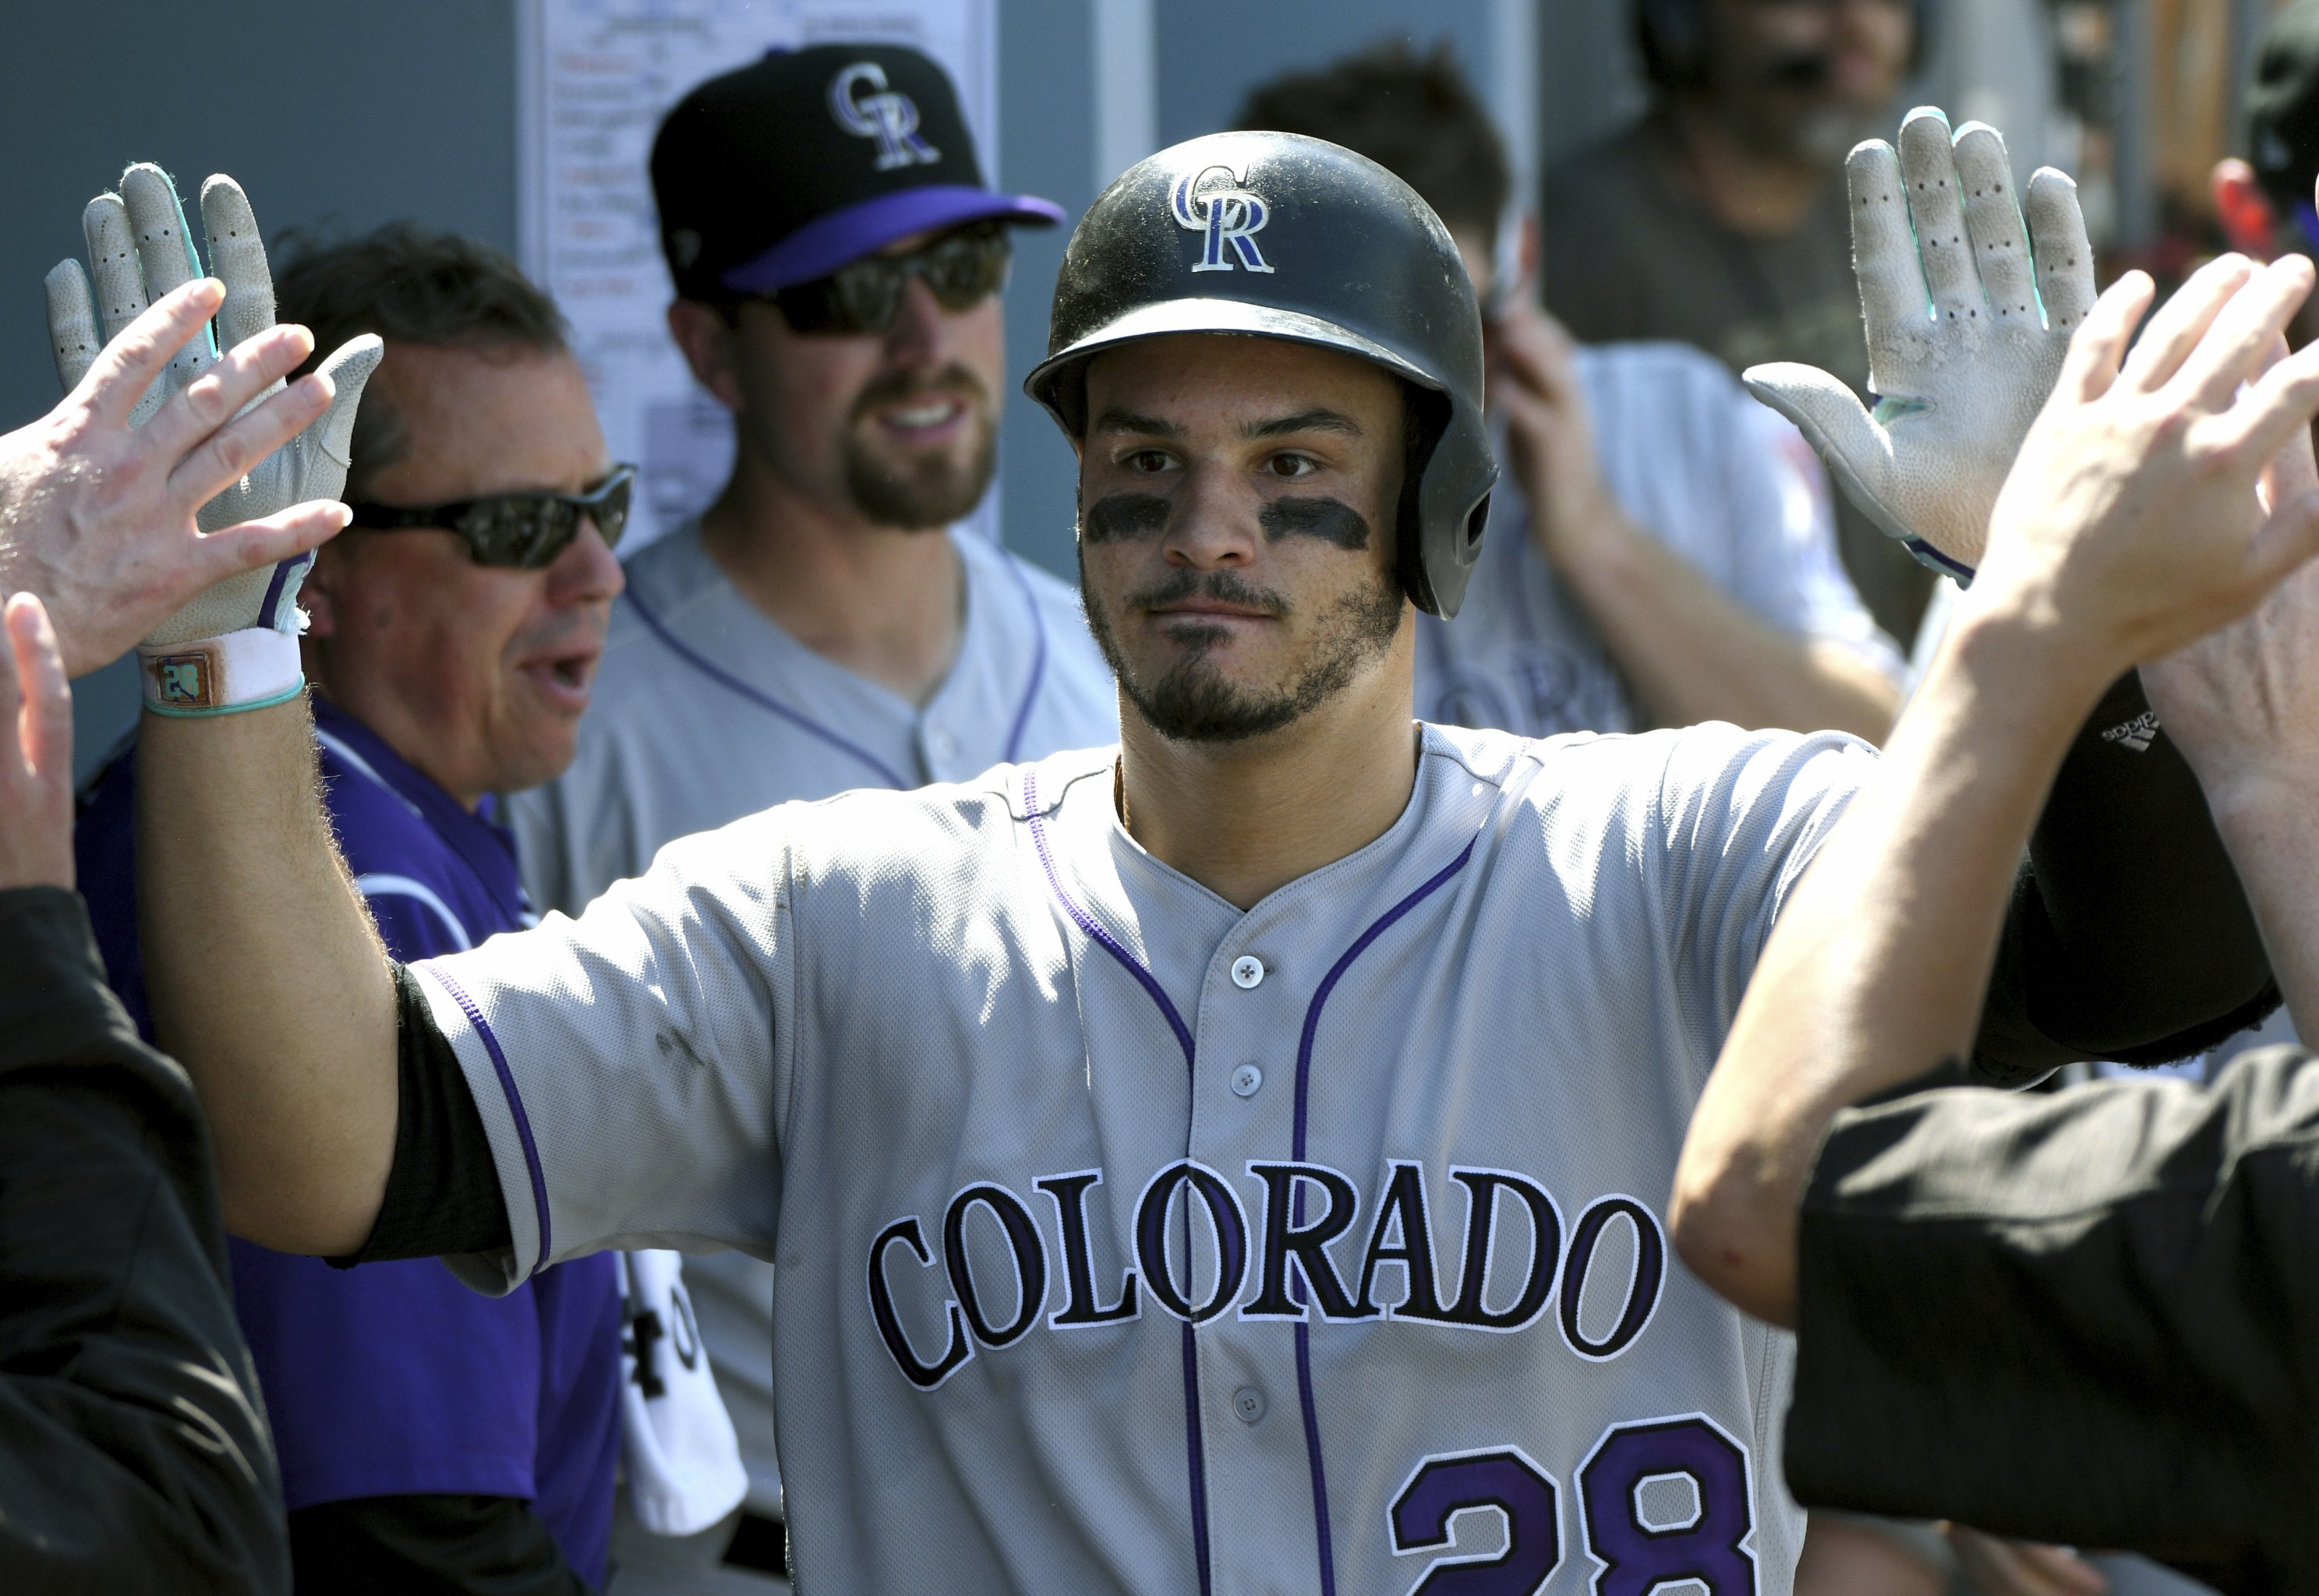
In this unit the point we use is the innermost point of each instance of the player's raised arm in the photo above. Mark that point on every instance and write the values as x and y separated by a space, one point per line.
264 971
267 979
2130 525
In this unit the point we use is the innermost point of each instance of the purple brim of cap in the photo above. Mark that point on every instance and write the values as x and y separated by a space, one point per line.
827 242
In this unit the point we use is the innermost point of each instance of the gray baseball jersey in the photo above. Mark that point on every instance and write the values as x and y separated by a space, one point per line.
1720 479
705 711
1128 1242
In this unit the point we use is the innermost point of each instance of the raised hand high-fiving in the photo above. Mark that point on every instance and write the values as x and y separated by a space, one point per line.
1968 319
140 250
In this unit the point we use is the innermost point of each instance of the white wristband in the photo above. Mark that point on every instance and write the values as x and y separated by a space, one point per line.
224 675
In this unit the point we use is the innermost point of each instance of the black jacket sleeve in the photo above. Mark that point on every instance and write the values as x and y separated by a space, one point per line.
428 1545
2094 1315
2129 936
134 1454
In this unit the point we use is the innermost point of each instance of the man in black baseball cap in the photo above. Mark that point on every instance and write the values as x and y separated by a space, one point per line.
837 257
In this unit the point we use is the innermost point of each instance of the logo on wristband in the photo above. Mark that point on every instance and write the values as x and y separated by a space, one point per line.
183 680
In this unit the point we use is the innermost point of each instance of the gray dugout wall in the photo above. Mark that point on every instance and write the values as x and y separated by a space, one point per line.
338 117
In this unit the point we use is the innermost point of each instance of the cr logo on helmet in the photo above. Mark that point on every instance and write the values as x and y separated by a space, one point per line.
1232 216
890 117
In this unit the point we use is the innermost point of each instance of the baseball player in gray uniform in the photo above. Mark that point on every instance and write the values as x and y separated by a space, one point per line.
823 625
1233 1161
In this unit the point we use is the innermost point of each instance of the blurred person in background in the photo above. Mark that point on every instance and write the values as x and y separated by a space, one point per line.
431 1439
2264 201
1661 553
1718 218
826 624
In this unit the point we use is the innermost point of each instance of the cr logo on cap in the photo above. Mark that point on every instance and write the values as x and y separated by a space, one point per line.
1232 216
885 115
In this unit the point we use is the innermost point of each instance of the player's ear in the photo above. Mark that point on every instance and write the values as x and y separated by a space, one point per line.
322 593
710 337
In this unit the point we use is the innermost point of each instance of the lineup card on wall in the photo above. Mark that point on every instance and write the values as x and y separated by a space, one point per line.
596 77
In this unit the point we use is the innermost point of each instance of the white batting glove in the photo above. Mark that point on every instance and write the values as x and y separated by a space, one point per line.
1967 323
235 646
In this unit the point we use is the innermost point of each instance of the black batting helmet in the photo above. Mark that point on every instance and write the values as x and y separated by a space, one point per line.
1276 235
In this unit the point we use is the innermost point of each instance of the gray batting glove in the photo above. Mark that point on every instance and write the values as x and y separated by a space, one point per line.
1967 322
140 248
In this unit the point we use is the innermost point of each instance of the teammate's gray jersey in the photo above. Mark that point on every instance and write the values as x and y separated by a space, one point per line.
706 710
1128 1242
1720 479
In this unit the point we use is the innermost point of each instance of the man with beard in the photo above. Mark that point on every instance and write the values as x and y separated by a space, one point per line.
1224 1160
822 625
1718 219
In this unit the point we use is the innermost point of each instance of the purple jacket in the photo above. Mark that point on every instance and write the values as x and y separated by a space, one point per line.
393 1378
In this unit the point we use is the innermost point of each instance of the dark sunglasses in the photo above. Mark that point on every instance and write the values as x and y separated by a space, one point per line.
524 531
962 268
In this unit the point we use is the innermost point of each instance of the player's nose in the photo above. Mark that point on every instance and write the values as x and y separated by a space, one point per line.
1214 521
919 334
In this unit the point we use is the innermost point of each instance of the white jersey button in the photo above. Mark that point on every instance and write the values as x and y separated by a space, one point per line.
1247 1402
942 744
1247 970
1246 1079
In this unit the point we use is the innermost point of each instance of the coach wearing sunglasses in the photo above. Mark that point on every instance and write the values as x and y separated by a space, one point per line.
432 1439
824 624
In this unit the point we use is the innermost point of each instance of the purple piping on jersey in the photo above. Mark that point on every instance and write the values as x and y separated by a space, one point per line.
1112 945
1313 1453
764 700
1303 1079
1329 982
515 1107
1192 1452
1095 928
1038 664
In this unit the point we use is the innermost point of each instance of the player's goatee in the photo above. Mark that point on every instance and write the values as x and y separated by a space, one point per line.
927 491
1195 702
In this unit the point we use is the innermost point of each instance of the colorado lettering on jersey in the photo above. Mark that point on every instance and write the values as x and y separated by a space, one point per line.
1294 1248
